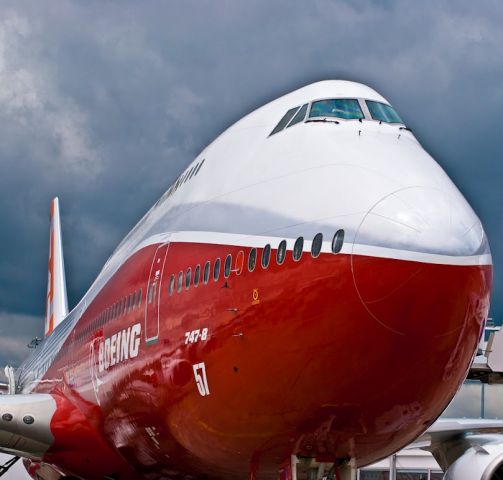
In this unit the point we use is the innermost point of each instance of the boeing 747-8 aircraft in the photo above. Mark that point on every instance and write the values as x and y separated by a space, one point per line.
312 286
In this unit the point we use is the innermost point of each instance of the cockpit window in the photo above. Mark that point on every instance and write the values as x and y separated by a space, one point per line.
284 121
299 116
346 108
383 112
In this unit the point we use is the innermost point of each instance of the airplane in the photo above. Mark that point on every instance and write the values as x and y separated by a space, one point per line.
311 286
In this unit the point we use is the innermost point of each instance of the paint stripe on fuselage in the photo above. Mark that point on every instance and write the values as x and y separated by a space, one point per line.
259 241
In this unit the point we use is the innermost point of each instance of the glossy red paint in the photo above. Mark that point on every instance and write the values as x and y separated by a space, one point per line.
329 357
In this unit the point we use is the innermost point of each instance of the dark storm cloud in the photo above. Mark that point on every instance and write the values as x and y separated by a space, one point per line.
103 103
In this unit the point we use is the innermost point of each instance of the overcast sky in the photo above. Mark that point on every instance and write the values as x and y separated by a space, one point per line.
104 103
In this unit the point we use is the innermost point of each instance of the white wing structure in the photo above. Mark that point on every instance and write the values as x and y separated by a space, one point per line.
466 449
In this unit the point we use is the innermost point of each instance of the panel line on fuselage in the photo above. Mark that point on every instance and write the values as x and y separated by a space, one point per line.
258 241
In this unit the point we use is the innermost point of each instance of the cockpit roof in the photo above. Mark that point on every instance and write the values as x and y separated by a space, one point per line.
328 89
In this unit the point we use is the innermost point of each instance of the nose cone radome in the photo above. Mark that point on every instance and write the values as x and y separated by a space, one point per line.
423 220
421 262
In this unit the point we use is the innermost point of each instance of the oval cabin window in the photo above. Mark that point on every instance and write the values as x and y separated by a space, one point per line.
266 256
297 248
281 253
197 273
252 259
216 270
227 266
188 277
206 274
338 241
316 245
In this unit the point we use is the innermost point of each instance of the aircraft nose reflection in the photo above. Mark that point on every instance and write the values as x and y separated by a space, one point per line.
421 283
425 220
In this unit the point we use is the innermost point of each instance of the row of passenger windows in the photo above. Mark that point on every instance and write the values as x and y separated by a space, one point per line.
186 279
132 301
123 306
184 177
345 108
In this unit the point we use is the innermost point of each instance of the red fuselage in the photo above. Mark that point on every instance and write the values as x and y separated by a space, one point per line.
295 361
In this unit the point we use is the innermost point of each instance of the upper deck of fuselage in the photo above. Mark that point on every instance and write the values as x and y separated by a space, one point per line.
246 153
225 176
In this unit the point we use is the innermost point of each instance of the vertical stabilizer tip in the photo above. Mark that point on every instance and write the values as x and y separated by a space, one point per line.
57 302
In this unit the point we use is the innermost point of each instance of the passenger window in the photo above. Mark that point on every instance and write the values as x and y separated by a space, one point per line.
206 274
189 174
216 270
139 298
179 282
284 121
196 171
338 241
297 248
281 253
193 171
171 284
197 274
252 259
266 256
151 293
128 303
227 266
133 300
240 260
188 276
316 245
299 116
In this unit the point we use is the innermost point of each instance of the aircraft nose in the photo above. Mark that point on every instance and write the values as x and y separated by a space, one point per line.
421 263
423 220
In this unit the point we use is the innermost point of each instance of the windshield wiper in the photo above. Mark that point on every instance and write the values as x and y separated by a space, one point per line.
321 120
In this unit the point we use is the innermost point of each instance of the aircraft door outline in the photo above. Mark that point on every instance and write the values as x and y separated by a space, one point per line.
153 294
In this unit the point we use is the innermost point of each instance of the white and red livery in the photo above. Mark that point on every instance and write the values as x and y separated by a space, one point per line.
313 284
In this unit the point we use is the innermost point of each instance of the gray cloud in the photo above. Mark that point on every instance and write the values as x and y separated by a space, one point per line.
16 332
104 103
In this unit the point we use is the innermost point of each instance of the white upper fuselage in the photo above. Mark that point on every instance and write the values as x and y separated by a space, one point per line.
319 177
